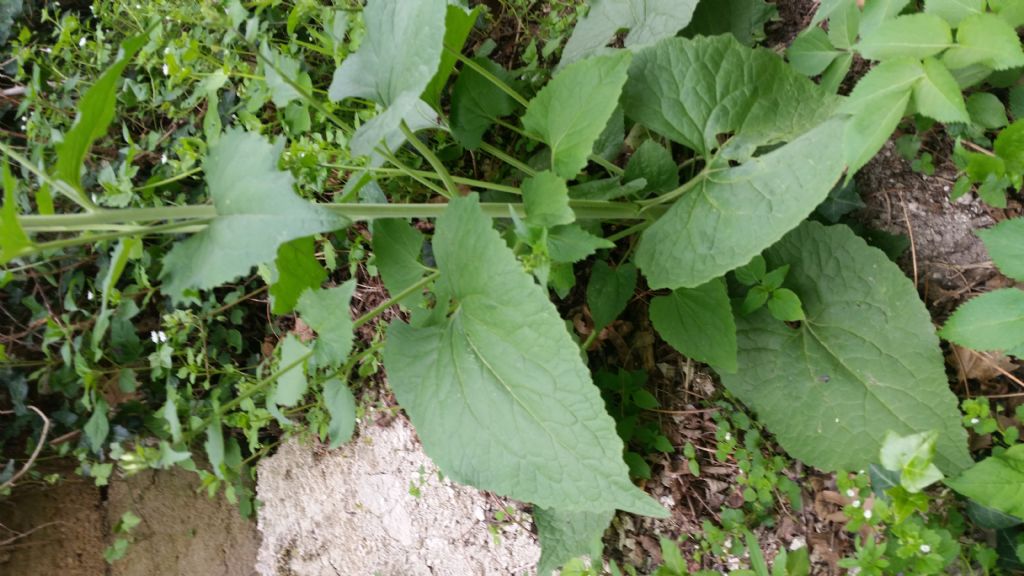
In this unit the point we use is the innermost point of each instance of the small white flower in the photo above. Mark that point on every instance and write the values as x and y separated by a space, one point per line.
138 6
850 492
837 420
728 436
153 337
89 296
798 543
167 70
81 43
925 549
162 336
855 503
163 158
867 514
975 420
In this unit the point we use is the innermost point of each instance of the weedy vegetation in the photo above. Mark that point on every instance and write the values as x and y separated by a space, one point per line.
159 179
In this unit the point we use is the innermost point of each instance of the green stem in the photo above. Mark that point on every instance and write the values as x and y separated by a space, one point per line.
472 183
85 239
170 180
670 196
629 231
434 161
395 299
610 167
488 76
76 196
501 155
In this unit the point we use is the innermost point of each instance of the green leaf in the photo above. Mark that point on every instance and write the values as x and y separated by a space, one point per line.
698 322
693 91
546 200
752 272
497 391
395 63
865 360
477 103
568 534
281 68
609 188
912 36
458 23
868 131
835 74
1009 146
985 39
97 427
996 482
937 94
214 446
844 26
12 237
341 405
877 12
811 52
257 211
1005 244
841 201
954 11
882 84
1011 11
735 213
297 270
785 306
744 19
572 110
987 110
327 312
912 457
654 163
397 249
95 112
290 386
990 322
648 21
169 412
571 244
609 291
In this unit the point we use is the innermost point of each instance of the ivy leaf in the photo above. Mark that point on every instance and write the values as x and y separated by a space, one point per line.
571 243
458 23
812 52
497 391
327 312
996 482
937 94
990 322
397 248
647 21
477 103
693 91
985 39
12 237
698 322
864 361
570 113
734 214
546 200
744 19
565 535
954 11
654 163
399 56
290 386
257 211
911 36
609 291
95 112
341 405
297 270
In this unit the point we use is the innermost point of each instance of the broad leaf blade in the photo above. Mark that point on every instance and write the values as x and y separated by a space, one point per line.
498 392
812 52
297 270
744 19
954 11
938 96
990 322
397 247
864 362
477 103
996 482
1005 244
648 21
571 112
654 163
341 405
912 36
257 211
290 386
698 322
546 200
95 112
327 312
458 23
565 535
985 39
609 291
12 237
736 213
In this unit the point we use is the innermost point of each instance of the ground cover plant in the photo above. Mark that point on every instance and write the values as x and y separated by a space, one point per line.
339 144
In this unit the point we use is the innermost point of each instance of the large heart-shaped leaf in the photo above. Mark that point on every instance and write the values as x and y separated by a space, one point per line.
497 391
996 482
864 362
257 211
647 21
